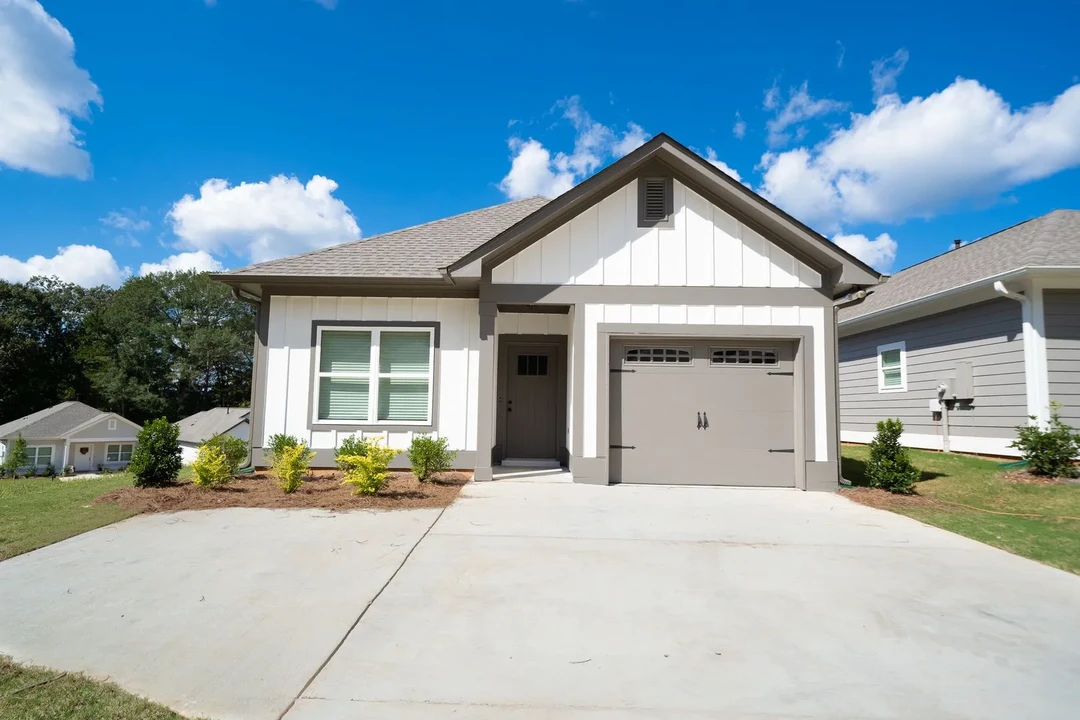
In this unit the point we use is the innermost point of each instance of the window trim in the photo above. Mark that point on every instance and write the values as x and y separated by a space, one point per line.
688 348
112 423
881 350
774 350
119 452
374 374
32 453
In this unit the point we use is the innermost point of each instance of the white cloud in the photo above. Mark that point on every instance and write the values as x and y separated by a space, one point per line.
200 261
919 158
739 128
772 97
710 155
840 57
328 4
263 220
535 171
86 265
885 71
126 220
799 108
42 91
878 253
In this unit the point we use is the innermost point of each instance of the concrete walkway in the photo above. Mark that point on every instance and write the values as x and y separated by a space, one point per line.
530 600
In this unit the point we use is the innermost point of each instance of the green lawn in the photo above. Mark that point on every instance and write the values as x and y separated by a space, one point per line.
40 511
976 482
32 693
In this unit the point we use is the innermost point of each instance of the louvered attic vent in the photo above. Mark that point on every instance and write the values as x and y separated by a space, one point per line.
655 204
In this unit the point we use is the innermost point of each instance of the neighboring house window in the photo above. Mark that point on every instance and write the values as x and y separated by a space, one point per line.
118 453
39 456
112 423
892 367
374 375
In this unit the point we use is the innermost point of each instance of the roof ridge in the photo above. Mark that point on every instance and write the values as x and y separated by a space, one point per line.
388 233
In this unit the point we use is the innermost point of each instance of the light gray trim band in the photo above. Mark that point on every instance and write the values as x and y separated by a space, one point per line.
337 286
485 426
653 295
579 385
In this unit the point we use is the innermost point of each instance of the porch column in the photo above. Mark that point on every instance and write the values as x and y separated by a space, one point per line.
485 415
67 453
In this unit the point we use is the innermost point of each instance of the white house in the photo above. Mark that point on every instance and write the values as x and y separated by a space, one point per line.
658 323
73 433
200 427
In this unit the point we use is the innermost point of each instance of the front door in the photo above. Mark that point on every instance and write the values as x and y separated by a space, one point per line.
531 402
82 457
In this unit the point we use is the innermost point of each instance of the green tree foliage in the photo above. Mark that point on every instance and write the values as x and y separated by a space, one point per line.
889 466
429 455
17 456
234 449
156 458
164 344
1050 450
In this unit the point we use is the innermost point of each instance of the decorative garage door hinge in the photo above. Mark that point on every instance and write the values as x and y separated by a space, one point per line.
781 372
623 447
783 450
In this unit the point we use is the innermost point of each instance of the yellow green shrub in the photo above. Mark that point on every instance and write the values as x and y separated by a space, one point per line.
367 473
211 467
290 466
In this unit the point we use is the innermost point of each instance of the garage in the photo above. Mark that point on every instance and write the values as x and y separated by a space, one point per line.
702 412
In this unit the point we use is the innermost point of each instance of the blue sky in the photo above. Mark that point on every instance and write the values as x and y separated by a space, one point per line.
139 135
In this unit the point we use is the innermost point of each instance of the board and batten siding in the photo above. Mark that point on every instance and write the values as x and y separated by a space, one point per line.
595 314
989 335
290 360
1061 309
705 247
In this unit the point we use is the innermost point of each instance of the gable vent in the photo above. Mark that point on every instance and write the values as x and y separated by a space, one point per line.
655 202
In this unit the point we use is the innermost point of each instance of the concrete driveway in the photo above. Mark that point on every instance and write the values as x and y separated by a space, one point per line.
535 600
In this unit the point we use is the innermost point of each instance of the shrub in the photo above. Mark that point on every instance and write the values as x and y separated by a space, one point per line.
50 471
1049 450
234 449
212 467
156 458
291 464
352 445
17 457
889 466
278 443
429 455
367 473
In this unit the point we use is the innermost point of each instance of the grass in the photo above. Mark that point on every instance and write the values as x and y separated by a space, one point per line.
34 693
35 512
965 480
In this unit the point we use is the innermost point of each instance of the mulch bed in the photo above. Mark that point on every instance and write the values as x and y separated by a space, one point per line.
885 500
321 489
1027 478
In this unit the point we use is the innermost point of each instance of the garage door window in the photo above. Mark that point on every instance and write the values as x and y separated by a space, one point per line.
657 356
743 356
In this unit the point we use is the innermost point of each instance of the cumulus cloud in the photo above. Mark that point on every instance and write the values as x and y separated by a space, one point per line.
885 71
534 170
710 155
918 158
263 220
85 265
799 108
879 253
42 92
199 261
127 220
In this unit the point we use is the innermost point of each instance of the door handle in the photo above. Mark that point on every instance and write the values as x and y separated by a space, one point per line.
706 416
699 421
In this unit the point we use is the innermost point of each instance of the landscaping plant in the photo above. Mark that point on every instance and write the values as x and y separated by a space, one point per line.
17 457
156 458
235 450
1050 450
889 466
279 442
291 464
351 445
367 473
212 467
429 455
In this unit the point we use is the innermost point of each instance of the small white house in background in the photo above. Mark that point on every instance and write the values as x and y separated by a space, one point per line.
73 433
200 427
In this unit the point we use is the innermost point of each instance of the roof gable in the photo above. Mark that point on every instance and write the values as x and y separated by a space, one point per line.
52 422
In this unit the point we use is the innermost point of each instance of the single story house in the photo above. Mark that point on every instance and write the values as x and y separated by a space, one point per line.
658 323
200 427
964 347
73 433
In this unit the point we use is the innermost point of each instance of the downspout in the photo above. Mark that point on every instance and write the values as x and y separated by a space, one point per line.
256 303
1030 359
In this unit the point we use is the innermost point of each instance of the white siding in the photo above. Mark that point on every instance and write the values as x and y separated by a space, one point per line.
705 246
532 324
290 359
813 317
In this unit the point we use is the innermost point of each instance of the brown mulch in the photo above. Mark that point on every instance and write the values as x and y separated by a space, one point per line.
321 489
1028 478
885 500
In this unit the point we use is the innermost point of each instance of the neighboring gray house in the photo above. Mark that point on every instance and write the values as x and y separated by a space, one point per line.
966 346
73 433
658 323
200 427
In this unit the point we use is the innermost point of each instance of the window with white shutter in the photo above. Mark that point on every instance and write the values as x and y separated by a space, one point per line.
892 367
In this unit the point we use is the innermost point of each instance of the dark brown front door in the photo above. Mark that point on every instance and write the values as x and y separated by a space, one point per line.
531 402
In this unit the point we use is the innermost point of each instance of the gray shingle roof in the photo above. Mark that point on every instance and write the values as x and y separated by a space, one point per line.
1052 240
52 422
204 425
414 252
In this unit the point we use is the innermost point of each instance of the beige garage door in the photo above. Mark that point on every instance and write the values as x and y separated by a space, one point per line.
702 412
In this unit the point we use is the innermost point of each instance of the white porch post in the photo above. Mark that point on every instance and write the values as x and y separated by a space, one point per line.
67 453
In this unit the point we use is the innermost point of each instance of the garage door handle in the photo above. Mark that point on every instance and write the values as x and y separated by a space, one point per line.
623 447
783 450
699 421
706 425
780 372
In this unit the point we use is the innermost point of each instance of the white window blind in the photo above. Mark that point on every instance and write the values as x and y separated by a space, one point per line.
891 367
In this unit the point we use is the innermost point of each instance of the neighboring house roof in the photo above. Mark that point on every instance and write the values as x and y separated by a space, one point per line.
1049 241
415 252
202 426
54 422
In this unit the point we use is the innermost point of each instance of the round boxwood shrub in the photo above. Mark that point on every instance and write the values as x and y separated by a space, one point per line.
156 458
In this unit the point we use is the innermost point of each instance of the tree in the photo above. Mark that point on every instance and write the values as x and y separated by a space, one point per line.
156 458
17 457
34 349
889 466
